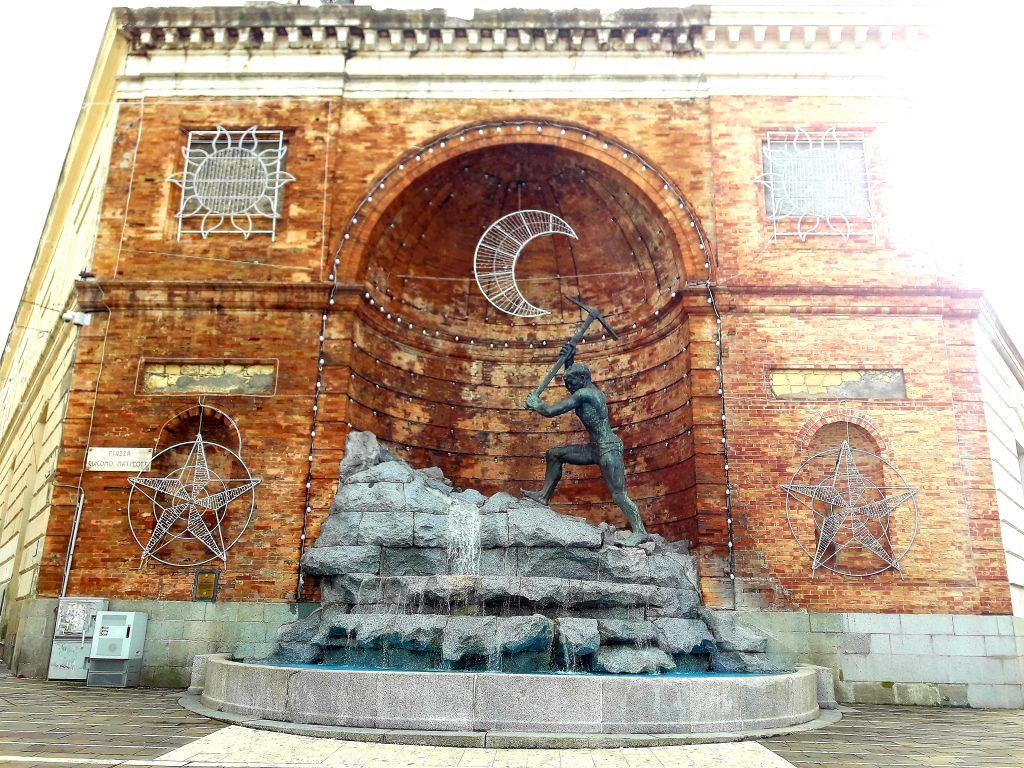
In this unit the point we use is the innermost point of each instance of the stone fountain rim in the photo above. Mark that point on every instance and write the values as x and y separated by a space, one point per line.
270 698
671 675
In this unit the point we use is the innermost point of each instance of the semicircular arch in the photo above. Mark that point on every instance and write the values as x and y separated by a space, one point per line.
694 251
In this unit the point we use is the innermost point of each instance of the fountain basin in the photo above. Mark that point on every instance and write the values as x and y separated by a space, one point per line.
517 703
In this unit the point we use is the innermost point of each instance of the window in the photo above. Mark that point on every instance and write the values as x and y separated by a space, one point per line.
816 183
232 183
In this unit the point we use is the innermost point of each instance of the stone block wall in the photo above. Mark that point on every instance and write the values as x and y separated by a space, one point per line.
938 659
906 659
176 632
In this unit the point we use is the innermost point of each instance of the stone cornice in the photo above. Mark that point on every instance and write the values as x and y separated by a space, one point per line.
943 300
353 29
1004 346
102 295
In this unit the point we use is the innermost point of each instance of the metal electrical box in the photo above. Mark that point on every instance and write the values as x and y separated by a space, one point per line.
72 637
115 660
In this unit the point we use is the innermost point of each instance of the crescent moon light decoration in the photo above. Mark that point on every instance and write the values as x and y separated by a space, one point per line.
494 263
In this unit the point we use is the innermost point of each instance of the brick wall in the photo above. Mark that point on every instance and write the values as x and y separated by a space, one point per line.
788 304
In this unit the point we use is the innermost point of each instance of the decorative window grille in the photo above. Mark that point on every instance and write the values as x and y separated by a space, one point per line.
817 183
233 182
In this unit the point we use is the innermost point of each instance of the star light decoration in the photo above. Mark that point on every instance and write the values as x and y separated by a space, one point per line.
234 178
191 502
851 514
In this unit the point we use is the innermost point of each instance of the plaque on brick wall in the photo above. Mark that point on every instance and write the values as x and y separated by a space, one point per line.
118 459
838 384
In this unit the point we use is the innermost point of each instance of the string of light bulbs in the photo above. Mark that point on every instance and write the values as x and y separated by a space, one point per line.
548 129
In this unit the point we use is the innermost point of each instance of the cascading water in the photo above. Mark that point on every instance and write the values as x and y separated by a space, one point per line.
463 539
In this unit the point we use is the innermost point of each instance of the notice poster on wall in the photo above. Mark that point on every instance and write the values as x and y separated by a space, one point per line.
118 459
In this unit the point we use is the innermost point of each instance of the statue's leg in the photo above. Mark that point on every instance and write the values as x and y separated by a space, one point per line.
555 458
614 472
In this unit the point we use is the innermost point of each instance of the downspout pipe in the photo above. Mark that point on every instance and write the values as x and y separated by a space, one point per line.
74 535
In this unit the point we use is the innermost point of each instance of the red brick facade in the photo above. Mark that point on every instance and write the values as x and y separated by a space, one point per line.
457 402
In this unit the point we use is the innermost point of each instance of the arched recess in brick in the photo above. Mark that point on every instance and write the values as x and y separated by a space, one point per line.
826 439
441 375
838 421
216 425
175 441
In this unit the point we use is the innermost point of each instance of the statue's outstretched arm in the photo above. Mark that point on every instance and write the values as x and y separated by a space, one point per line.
534 403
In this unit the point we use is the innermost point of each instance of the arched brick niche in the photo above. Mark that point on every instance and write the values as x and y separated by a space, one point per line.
860 437
442 375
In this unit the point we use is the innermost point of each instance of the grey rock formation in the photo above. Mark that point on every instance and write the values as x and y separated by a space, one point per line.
328 560
499 502
471 495
399 591
388 472
469 637
420 498
362 451
625 631
378 498
420 633
301 631
731 635
341 528
525 633
413 561
579 637
684 636
540 527
741 661
625 659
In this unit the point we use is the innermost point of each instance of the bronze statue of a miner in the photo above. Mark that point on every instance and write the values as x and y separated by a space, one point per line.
604 448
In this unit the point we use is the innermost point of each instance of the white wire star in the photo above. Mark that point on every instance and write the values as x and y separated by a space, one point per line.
842 517
189 490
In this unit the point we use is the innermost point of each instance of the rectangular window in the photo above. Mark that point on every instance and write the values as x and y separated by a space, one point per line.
232 183
817 183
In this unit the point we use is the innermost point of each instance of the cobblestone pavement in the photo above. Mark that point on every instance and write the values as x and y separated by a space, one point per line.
882 736
65 724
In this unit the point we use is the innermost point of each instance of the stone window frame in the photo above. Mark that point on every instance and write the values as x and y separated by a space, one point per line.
144 360
786 218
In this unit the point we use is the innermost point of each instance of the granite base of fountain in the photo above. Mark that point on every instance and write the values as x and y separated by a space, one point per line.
445 610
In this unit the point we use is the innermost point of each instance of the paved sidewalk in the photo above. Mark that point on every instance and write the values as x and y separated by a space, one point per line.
68 721
66 724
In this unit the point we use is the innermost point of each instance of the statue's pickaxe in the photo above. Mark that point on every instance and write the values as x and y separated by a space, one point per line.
592 315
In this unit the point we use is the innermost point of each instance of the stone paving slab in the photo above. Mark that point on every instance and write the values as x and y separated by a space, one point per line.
66 724
265 748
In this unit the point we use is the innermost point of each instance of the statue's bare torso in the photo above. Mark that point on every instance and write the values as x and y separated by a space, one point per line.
592 410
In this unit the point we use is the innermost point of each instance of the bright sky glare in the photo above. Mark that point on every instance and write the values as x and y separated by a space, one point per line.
974 172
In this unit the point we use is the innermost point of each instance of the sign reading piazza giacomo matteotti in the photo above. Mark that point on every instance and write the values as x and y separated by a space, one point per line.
118 459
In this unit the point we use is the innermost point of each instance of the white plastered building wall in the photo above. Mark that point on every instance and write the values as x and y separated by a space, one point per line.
1002 384
37 361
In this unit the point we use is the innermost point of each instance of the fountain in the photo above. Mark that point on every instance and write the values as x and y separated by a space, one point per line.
445 610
